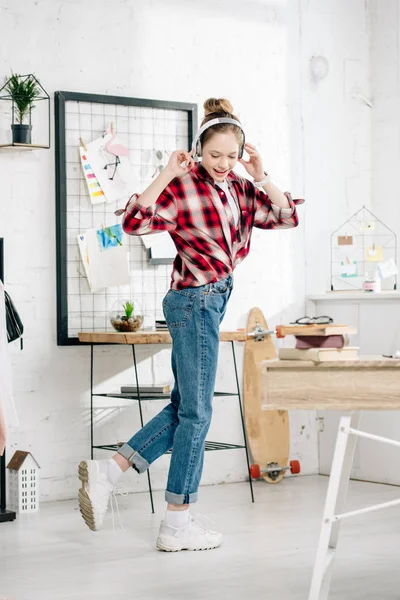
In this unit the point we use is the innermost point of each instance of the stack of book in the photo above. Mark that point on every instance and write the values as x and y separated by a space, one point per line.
147 391
320 344
161 325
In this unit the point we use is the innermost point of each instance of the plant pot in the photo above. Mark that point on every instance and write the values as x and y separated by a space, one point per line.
123 322
21 134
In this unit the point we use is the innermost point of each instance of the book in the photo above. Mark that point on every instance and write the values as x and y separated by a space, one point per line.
320 341
319 354
146 389
320 330
143 396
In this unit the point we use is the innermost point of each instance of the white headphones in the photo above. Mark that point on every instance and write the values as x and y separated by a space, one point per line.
196 146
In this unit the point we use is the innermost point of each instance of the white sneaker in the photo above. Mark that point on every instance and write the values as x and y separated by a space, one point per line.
94 495
193 536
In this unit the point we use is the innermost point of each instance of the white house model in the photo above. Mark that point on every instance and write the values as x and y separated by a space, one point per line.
23 483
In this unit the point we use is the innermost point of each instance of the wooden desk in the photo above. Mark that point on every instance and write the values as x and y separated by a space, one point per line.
365 384
148 337
144 336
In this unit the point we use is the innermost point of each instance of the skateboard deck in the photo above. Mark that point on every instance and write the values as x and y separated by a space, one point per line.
267 430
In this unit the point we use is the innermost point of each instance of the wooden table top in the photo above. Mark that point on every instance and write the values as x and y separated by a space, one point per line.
148 337
364 362
370 383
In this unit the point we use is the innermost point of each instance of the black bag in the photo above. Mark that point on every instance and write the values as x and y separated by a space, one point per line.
15 328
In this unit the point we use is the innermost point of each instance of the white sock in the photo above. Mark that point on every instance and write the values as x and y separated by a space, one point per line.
114 471
177 518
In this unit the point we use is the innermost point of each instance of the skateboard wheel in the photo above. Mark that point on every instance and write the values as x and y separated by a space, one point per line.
294 467
255 471
279 333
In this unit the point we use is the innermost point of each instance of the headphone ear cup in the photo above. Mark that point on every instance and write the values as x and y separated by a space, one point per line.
198 148
241 149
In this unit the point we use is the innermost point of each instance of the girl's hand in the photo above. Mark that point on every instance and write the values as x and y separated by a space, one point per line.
254 166
176 159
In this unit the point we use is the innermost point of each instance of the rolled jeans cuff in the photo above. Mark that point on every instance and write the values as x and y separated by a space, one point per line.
181 498
139 463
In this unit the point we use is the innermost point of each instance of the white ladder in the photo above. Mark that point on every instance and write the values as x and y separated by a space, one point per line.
335 501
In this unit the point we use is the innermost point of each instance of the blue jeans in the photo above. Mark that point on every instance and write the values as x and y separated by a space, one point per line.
193 317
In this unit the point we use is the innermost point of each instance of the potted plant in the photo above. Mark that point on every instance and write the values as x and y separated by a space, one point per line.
23 92
123 316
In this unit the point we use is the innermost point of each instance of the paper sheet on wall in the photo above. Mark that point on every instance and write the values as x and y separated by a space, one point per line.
374 254
82 243
161 246
116 177
348 269
387 268
94 188
103 268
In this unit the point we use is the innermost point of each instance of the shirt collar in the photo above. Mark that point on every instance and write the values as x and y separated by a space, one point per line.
202 172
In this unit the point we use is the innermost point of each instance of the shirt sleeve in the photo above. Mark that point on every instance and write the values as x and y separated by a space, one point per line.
269 216
142 220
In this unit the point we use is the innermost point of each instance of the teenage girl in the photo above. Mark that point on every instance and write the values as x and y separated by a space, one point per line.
210 212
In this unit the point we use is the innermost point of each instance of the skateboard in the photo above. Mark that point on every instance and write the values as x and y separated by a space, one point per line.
267 430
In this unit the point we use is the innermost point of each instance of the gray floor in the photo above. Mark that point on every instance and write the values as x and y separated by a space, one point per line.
268 551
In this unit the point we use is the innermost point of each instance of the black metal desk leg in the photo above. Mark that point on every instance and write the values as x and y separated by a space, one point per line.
241 416
141 421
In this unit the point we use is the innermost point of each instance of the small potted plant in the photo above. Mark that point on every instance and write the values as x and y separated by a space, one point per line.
124 317
23 92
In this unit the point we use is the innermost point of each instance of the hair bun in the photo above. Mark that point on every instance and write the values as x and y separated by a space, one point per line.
217 105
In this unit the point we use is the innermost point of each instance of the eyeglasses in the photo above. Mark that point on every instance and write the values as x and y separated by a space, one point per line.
322 320
115 165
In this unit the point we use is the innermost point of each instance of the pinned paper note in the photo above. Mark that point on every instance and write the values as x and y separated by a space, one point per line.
82 243
103 268
345 240
94 188
387 269
346 244
109 167
348 268
367 226
162 249
161 246
374 253
110 236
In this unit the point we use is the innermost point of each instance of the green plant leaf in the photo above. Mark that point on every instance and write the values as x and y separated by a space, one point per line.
23 92
128 307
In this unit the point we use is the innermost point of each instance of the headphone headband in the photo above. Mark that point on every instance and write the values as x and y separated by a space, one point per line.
196 142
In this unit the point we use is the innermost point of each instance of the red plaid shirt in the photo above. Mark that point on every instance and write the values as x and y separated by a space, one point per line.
197 215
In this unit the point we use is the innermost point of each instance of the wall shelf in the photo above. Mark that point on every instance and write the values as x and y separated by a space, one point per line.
23 93
24 146
356 295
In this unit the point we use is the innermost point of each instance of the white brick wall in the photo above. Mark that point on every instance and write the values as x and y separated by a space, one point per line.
315 140
385 72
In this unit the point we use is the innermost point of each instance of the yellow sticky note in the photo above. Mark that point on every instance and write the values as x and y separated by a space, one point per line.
374 254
